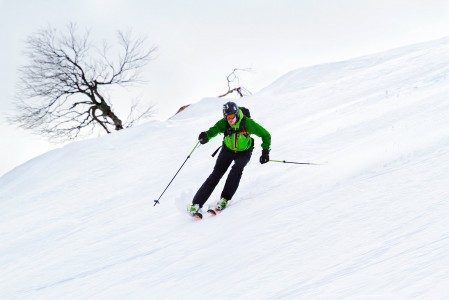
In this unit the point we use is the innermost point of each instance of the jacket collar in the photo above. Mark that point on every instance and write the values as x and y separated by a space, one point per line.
237 124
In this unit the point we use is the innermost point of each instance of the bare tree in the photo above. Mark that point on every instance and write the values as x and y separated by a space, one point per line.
63 90
234 84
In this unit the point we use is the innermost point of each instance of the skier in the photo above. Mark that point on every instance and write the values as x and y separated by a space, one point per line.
237 146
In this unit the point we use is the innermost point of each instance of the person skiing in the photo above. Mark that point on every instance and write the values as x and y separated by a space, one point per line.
237 147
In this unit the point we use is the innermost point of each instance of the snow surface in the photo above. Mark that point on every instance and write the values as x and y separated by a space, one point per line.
370 222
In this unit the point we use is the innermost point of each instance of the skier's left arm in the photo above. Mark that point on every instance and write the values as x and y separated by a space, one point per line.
254 128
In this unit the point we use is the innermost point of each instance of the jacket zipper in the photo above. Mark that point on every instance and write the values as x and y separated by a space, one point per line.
235 142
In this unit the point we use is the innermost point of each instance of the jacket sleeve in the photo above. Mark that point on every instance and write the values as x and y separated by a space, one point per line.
254 128
219 127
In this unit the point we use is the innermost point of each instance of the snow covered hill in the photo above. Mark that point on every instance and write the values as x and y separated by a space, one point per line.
369 222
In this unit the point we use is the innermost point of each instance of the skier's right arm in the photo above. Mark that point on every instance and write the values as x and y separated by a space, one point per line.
218 128
203 138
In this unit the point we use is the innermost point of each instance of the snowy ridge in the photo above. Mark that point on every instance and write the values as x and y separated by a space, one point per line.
369 223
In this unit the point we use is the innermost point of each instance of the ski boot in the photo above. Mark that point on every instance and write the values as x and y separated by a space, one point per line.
195 211
221 204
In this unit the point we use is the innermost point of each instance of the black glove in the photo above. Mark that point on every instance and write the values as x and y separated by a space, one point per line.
265 157
203 138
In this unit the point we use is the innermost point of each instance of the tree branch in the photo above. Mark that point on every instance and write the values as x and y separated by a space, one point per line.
61 91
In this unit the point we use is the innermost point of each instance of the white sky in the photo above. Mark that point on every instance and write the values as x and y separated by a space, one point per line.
201 41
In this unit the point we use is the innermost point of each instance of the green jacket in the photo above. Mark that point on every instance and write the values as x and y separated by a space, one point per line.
240 141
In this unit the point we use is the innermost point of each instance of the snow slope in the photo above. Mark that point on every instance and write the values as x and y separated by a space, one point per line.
370 222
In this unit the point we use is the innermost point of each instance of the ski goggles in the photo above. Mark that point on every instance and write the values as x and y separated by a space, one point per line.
230 117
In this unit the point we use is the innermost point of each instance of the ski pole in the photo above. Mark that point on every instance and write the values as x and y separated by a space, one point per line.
157 201
293 162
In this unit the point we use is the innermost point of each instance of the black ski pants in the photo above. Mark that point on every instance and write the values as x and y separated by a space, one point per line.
224 160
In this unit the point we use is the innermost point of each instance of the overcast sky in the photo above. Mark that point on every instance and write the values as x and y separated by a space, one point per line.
201 41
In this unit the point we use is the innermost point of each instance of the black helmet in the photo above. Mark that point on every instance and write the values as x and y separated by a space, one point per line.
230 108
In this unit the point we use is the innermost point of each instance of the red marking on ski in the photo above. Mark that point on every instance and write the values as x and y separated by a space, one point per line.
198 216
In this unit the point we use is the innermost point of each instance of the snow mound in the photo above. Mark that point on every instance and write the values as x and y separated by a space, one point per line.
369 222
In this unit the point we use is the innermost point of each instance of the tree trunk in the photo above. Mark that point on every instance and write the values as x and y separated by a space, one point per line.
108 113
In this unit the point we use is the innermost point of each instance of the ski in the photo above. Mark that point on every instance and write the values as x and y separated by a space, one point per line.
197 216
212 212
